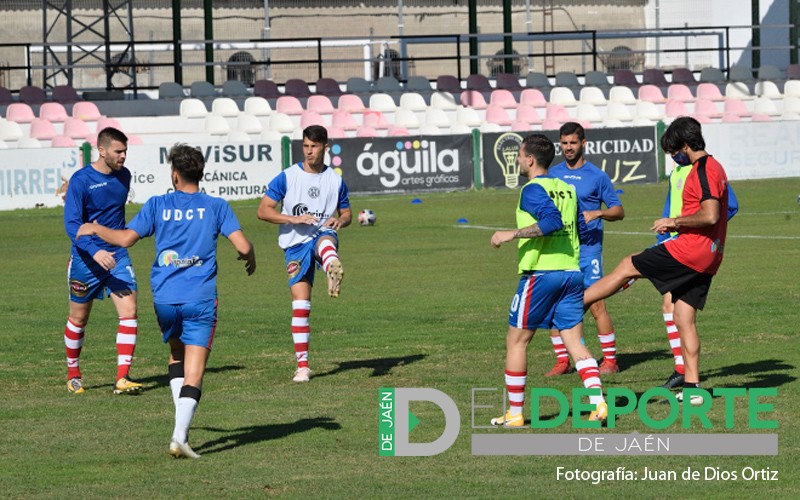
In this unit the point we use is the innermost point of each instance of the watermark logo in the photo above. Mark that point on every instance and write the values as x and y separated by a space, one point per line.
395 422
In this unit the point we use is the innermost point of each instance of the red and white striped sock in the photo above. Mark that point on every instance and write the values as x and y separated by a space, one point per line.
609 344
126 344
674 341
560 349
327 253
590 375
515 384
301 310
73 341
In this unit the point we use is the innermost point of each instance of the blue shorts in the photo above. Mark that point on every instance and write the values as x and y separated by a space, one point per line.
90 282
192 324
300 259
548 299
591 266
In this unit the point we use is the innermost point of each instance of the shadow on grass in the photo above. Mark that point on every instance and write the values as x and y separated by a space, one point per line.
628 360
233 438
162 380
379 366
762 373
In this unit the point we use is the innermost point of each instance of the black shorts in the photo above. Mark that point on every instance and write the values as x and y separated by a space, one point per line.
669 275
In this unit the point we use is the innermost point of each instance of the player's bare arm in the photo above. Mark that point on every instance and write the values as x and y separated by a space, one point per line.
246 251
609 214
120 237
500 237
268 211
708 215
344 219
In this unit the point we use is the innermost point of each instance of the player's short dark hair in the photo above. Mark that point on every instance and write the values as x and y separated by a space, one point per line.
570 128
541 148
187 161
109 134
316 133
685 130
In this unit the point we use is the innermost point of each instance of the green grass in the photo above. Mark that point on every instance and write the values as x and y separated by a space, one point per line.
424 304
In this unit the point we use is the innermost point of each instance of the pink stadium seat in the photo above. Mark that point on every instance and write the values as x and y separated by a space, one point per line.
707 108
366 131
105 121
736 107
550 124
521 126
19 112
336 132
726 118
557 113
321 104
53 111
77 129
134 140
503 98
533 97
760 117
651 93
309 118
709 91
351 103
86 111
473 99
497 114
62 141
41 128
289 105
375 119
675 108
679 92
395 131
527 114
344 120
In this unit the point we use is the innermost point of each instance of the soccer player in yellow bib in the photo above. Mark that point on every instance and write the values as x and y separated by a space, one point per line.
550 291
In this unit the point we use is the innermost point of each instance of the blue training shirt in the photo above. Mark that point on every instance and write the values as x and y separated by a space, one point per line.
186 227
94 196
594 189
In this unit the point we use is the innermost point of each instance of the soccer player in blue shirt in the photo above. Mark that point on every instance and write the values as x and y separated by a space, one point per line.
186 224
594 190
98 192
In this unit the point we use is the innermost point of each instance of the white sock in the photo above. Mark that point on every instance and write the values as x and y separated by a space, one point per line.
183 418
175 385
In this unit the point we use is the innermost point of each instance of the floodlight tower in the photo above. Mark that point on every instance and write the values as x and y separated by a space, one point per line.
69 41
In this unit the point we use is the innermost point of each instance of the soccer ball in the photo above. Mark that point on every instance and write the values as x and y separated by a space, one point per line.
366 217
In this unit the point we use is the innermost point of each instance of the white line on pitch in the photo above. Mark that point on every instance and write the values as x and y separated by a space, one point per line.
635 233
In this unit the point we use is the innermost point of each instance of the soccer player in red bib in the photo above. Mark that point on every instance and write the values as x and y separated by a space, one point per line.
684 266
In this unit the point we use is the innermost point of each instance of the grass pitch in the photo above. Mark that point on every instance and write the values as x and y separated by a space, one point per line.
423 304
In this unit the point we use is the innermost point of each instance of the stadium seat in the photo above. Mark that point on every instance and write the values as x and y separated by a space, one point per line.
29 143
473 99
270 135
770 72
257 106
726 118
53 111
20 112
406 118
216 125
413 101
740 74
654 76
41 128
596 79
562 96
419 84
497 114
202 90
651 93
297 88
328 87
479 83
734 106
618 111
31 94
738 91
281 122
712 75
709 91
567 79
460 129
503 98
375 119
238 136
489 128
528 114
351 103
675 108
309 118
443 100
648 110
793 72
266 89
234 88
289 105
508 82
760 117
588 112
437 117
189 108
382 102
343 119
769 89
765 106
105 121
521 126
791 88
358 85
684 76
62 141
5 96
225 106
249 123
388 84
336 132
65 94
625 77
533 97
76 129
395 131
428 129
536 80
557 113
170 90
448 83
679 92
791 108
623 95
592 95
86 111
468 117
706 107
366 131
321 104
10 131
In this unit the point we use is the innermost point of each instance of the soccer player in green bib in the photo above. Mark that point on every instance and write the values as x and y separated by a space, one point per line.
550 291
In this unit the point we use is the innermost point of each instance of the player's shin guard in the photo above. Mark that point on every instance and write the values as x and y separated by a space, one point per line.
674 342
587 369
327 253
73 341
515 384
608 343
559 348
184 413
126 344
301 331
175 371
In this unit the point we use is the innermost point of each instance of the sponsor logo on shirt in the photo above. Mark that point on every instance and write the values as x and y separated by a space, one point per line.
169 258
313 192
293 268
302 209
98 185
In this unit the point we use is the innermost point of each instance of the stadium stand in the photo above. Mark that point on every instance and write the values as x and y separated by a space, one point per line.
41 128
473 99
202 90
684 76
20 112
536 80
225 106
297 88
413 101
508 82
53 111
419 84
503 98
257 106
234 89
358 85
170 90
328 87
65 94
448 83
289 105
479 83
31 94
6 97
655 76
266 89
86 111
388 84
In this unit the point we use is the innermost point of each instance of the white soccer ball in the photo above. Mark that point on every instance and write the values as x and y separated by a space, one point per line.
366 217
